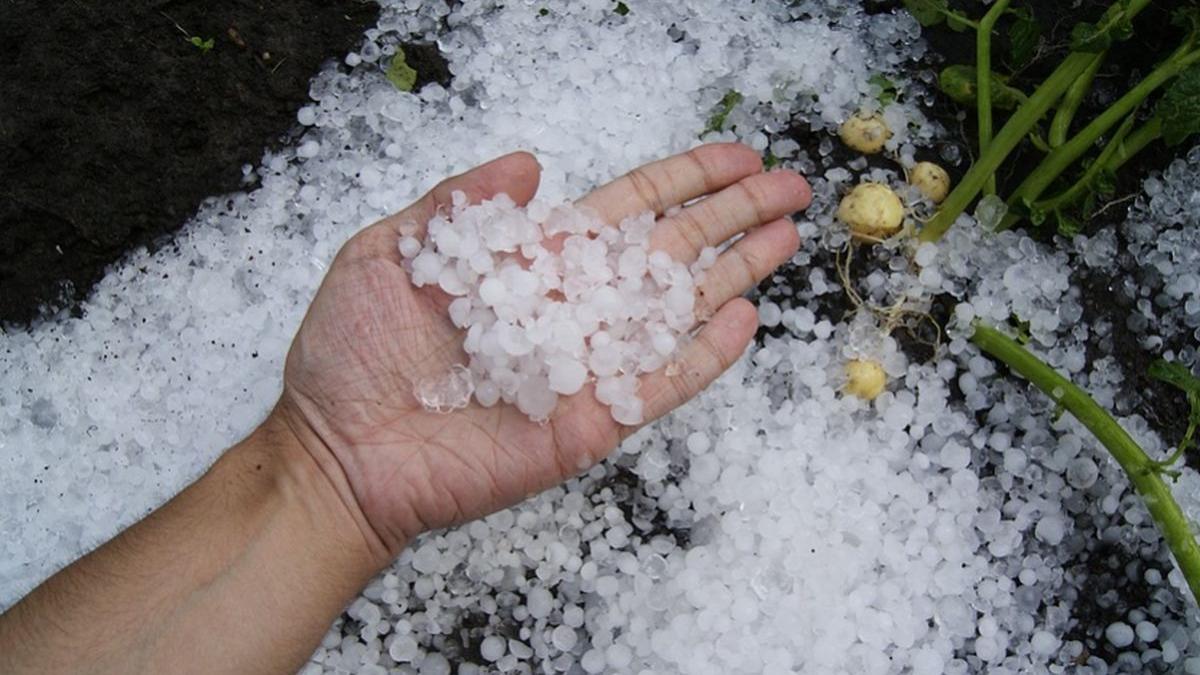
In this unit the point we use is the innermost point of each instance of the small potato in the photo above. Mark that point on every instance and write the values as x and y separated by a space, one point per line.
865 132
865 379
872 211
931 180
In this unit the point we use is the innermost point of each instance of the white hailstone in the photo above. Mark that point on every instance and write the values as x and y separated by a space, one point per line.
541 323
492 291
563 638
434 664
409 246
629 412
539 602
593 661
1119 634
618 657
567 376
664 343
536 399
1082 472
1050 529
928 662
769 314
1044 643
403 649
492 648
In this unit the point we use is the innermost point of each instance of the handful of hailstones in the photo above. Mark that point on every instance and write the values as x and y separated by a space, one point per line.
552 297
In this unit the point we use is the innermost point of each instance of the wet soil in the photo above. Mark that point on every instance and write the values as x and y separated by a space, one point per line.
118 118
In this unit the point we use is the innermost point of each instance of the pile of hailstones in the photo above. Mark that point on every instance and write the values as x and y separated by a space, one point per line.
552 297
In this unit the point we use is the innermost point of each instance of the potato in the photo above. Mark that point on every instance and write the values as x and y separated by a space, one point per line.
930 180
872 211
865 132
865 379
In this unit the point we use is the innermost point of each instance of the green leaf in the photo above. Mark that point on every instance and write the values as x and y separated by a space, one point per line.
622 9
1087 37
928 12
770 161
202 45
1175 374
959 83
1068 226
1037 215
1187 18
1093 38
1104 182
959 23
1179 108
1024 36
716 122
888 93
400 74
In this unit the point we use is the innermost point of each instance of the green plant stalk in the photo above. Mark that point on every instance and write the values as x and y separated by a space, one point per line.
1058 161
1143 472
1021 122
1072 100
1120 150
1082 186
983 81
1010 135
1136 142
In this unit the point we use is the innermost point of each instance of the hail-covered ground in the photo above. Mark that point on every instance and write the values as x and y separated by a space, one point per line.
774 525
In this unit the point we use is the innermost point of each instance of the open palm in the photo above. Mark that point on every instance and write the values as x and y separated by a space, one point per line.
370 335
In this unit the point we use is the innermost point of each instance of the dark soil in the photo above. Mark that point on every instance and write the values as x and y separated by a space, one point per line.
114 126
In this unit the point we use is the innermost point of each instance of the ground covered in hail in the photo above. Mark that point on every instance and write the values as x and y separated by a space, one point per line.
956 524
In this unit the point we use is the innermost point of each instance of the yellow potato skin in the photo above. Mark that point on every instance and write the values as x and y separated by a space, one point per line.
872 211
865 379
931 180
866 133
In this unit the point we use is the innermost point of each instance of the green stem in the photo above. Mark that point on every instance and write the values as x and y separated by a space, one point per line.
1143 472
1072 100
983 81
1038 142
1136 142
1017 127
1084 185
1062 158
952 16
1021 122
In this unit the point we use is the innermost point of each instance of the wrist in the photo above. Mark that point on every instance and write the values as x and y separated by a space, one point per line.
311 475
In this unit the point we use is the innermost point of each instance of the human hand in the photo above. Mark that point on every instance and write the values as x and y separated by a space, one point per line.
370 335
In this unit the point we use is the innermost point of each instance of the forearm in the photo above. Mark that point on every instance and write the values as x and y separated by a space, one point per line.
241 572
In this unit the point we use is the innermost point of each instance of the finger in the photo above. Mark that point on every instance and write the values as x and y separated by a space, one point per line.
670 182
752 201
516 174
750 260
718 345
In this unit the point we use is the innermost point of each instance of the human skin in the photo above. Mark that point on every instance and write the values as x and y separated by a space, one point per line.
244 570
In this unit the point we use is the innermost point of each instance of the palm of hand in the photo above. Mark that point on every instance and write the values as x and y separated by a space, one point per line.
370 336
